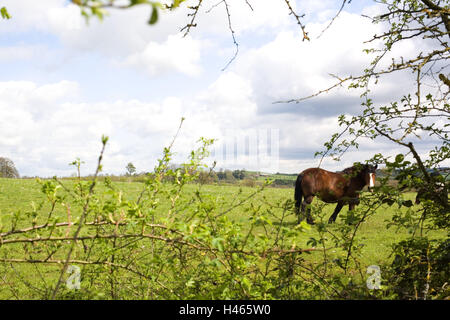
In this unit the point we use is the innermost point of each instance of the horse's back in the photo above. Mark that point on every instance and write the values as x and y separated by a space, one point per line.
317 174
315 178
323 183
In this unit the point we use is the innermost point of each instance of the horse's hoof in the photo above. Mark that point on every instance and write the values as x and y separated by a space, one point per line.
330 221
311 222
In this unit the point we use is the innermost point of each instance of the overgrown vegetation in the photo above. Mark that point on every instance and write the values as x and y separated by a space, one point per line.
171 238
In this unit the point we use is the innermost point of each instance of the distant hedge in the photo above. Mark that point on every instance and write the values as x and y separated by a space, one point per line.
284 182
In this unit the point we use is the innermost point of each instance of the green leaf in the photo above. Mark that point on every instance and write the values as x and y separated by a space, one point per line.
399 158
136 2
218 243
4 13
176 3
190 283
312 242
408 203
388 201
98 12
303 226
154 16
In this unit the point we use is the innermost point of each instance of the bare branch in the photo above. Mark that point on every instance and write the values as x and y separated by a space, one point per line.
232 35
334 18
297 18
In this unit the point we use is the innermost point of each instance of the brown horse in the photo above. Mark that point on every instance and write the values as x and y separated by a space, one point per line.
342 187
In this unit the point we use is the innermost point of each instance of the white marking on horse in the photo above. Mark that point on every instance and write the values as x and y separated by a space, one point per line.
371 180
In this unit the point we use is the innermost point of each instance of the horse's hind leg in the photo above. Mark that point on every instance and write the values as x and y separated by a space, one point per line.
301 212
306 207
336 212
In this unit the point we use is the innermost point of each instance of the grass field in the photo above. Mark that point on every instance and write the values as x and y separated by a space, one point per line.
22 194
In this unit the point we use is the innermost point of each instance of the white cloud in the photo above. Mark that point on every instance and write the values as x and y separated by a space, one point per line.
63 19
263 16
45 126
18 92
123 36
28 15
44 142
42 133
290 68
228 101
176 54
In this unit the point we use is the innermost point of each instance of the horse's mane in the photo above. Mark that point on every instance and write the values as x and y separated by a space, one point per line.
353 170
348 170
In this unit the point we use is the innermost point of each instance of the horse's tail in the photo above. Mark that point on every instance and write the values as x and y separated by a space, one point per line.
298 193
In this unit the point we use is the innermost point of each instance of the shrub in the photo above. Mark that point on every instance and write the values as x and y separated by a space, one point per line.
420 269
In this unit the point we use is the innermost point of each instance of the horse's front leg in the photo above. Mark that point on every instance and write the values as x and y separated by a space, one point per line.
336 212
353 203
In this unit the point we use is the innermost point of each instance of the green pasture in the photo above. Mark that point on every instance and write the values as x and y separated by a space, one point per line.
20 194
376 239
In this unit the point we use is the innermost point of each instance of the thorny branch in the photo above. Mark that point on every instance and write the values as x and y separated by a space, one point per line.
82 218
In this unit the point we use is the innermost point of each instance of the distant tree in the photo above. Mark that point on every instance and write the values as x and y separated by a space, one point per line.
131 169
221 174
206 177
229 176
226 175
239 174
8 169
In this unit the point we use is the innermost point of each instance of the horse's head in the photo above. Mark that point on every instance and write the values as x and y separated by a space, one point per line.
369 175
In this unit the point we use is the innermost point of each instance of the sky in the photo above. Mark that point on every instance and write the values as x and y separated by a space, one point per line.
65 83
